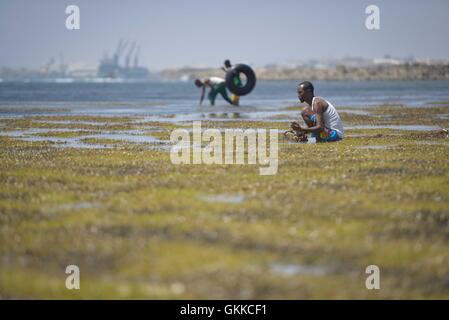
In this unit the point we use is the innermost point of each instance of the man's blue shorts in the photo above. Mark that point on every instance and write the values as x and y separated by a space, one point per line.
327 135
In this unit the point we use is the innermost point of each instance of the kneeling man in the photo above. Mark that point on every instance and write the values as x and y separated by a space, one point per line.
320 115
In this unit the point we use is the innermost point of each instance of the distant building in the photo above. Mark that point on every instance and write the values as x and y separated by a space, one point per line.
111 68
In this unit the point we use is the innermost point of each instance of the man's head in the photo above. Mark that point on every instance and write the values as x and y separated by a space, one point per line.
227 63
305 91
198 83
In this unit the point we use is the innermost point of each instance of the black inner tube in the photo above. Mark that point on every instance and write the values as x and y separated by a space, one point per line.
233 82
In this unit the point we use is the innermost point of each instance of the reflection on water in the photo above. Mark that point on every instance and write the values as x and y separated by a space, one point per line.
226 115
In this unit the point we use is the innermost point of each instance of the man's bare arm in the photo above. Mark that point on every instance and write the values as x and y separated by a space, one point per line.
203 90
319 107
319 124
306 113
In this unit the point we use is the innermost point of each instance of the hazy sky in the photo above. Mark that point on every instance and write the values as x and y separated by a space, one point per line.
176 33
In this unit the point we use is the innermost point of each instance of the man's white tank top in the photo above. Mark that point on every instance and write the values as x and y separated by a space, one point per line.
332 119
216 80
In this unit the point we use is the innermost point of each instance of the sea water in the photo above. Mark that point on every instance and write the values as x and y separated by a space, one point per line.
179 100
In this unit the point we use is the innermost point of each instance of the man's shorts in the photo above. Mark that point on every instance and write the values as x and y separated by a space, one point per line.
238 82
327 135
217 89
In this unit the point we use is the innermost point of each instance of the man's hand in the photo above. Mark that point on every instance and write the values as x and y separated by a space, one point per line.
295 126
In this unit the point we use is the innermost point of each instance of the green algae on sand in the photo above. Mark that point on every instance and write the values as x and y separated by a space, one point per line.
140 227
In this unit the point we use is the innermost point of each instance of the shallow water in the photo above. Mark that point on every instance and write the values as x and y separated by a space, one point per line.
77 142
442 116
395 127
376 147
287 269
223 198
440 143
73 206
92 123
356 111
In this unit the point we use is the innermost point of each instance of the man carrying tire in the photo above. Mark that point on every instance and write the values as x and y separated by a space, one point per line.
236 80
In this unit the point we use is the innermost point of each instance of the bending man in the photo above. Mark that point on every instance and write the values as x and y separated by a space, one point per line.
216 85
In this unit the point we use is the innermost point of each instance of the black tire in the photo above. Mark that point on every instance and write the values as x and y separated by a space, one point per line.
250 79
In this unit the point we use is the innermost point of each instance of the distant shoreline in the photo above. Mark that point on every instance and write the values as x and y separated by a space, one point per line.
379 72
404 71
